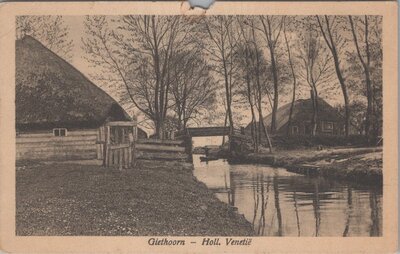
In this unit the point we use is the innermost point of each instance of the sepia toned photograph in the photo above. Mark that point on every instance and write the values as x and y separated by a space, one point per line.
219 125
149 127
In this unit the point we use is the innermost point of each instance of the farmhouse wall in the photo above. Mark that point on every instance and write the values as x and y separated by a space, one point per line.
77 145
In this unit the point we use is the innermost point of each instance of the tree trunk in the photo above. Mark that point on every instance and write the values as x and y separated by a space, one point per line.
332 46
261 125
228 108
253 117
343 87
223 137
228 100
289 126
294 85
259 89
366 67
345 95
369 105
159 129
267 136
314 120
260 122
180 120
344 91
370 95
276 94
254 136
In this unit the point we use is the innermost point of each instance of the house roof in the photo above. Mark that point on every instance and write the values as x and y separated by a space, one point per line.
50 92
302 111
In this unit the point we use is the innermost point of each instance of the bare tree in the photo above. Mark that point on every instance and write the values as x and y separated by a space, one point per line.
193 88
138 52
271 29
257 65
246 57
248 90
222 51
361 32
254 66
334 41
316 66
294 79
49 30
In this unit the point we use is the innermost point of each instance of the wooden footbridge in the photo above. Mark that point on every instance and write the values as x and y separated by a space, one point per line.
204 131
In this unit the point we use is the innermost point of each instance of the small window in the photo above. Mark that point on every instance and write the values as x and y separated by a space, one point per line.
295 130
328 126
60 132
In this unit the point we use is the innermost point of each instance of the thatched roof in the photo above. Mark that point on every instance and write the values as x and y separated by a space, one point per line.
302 111
50 92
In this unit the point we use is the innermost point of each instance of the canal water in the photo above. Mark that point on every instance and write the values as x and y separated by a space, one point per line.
280 203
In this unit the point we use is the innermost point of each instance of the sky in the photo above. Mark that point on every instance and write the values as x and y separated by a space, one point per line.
76 31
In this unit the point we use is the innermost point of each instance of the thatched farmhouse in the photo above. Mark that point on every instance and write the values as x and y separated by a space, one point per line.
330 122
60 114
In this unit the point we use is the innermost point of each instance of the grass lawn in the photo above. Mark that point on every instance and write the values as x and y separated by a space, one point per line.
152 199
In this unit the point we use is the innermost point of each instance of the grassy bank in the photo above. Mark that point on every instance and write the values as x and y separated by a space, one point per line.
359 165
153 199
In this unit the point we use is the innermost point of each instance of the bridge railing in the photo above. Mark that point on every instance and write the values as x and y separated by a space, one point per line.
204 131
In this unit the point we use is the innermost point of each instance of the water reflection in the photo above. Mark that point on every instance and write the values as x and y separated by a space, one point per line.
280 203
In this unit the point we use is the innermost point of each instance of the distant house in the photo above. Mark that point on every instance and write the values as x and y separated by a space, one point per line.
330 122
60 114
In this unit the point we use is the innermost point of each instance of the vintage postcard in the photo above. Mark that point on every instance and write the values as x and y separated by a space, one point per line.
152 127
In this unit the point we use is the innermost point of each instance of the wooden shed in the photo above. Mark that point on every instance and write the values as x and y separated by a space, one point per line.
60 114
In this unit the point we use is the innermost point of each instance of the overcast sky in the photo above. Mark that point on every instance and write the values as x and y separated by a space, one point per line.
76 31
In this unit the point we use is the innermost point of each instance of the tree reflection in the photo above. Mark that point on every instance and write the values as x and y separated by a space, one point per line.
374 205
260 189
349 210
277 206
309 198
297 212
231 192
255 199
316 207
264 203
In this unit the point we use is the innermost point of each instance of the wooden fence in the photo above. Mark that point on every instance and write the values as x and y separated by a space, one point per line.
121 155
156 149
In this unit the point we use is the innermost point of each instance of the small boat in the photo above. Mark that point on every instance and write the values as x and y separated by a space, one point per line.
205 158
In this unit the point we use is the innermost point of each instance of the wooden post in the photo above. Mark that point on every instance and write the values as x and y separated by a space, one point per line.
105 148
124 159
127 157
188 147
98 145
110 157
120 155
132 150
